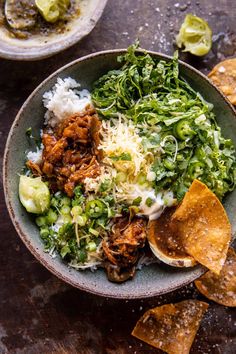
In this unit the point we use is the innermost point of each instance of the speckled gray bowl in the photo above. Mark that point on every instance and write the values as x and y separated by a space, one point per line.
151 280
39 47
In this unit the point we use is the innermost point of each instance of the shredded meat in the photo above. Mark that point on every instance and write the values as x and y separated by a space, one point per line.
35 168
91 169
54 149
70 153
118 274
121 248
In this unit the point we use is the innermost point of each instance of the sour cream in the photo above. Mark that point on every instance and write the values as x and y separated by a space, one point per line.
158 201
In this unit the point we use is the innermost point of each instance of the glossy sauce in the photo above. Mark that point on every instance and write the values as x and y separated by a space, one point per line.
165 235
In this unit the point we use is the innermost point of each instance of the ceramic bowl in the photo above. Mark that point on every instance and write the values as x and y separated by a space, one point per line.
151 280
39 47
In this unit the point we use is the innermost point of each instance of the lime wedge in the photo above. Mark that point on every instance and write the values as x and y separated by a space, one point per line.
195 35
52 10
34 194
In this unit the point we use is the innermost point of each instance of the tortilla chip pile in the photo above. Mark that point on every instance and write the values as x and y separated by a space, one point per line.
224 77
220 288
199 227
171 327
203 226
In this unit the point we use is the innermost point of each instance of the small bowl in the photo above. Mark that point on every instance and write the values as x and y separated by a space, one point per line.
151 280
39 47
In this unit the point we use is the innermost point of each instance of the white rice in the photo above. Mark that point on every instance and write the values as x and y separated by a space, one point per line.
64 100
35 156
61 101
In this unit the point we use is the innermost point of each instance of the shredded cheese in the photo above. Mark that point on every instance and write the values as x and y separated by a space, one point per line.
121 136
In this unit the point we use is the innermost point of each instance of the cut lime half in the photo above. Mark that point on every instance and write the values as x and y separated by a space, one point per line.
52 10
195 35
34 194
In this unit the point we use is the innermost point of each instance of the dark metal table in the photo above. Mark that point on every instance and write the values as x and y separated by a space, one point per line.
39 314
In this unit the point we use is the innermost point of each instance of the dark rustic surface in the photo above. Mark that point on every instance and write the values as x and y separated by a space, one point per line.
39 314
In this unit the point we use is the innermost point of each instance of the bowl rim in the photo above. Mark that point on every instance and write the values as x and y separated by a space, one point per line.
200 270
47 50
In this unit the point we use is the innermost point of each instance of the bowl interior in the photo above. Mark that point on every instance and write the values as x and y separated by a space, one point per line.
39 46
152 280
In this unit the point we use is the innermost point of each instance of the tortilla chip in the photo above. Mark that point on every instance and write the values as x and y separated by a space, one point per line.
221 288
171 327
224 77
203 224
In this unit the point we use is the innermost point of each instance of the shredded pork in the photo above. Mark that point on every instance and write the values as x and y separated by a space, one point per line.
122 246
70 153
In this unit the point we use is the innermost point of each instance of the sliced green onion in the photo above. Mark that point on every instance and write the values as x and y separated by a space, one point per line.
65 210
91 246
51 216
137 201
44 232
67 219
76 210
41 220
64 251
94 232
54 202
80 220
65 201
149 202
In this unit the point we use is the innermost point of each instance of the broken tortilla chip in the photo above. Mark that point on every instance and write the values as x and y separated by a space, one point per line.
223 76
204 227
171 327
221 288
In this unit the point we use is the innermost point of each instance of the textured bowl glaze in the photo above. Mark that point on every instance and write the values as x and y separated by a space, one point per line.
39 47
151 280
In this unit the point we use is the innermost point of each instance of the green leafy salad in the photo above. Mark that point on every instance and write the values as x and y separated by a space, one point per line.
171 115
155 136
